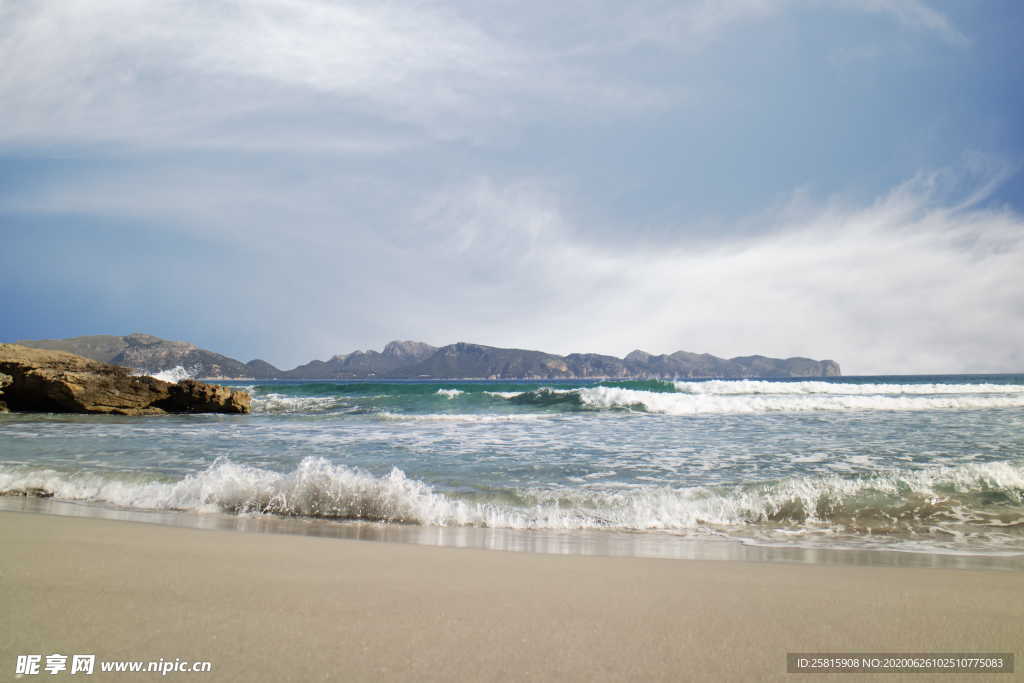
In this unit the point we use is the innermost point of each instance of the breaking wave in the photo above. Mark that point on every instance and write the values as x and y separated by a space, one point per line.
504 394
681 398
284 404
173 375
450 393
982 503
695 404
731 400
735 387
457 417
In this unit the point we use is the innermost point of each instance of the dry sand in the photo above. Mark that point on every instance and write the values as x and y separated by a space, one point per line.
265 607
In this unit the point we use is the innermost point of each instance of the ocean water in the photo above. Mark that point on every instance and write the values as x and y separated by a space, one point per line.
932 465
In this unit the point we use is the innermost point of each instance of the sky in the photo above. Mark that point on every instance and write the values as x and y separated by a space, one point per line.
293 179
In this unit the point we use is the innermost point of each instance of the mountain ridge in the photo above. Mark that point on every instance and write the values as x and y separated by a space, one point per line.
418 360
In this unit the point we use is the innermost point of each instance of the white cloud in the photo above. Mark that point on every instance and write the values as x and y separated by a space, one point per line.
913 14
923 280
195 73
187 74
262 114
904 285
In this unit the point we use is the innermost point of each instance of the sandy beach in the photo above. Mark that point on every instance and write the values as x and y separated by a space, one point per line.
264 607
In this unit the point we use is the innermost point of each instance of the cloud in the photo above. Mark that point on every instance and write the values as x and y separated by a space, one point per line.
913 14
372 171
358 75
920 280
191 73
915 282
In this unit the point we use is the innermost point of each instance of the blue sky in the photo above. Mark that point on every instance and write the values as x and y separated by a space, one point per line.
291 179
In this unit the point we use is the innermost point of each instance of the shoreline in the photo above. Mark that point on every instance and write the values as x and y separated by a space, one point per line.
268 607
579 543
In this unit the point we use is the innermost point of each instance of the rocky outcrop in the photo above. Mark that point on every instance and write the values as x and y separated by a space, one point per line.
190 396
28 492
59 382
5 380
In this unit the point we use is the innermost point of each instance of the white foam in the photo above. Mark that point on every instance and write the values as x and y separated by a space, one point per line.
318 488
460 417
697 404
281 403
450 393
730 387
173 375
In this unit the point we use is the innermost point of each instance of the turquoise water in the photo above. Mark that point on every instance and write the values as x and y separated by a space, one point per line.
929 464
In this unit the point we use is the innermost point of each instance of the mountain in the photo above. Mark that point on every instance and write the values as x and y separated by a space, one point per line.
148 354
473 361
416 360
412 360
365 364
261 369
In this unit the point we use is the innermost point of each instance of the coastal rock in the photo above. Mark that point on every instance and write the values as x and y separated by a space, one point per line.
30 492
55 381
4 381
190 396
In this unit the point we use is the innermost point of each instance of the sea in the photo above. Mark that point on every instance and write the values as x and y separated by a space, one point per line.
901 470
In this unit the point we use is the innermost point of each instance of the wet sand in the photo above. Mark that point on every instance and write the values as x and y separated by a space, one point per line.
265 607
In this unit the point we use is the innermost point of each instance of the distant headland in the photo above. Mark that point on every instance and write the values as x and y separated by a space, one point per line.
417 360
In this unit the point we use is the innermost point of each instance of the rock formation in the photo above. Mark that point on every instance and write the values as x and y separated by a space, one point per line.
5 380
59 382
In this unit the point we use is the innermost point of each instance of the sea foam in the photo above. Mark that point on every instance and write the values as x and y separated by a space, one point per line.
710 403
732 387
282 403
697 398
450 393
173 375
985 500
458 417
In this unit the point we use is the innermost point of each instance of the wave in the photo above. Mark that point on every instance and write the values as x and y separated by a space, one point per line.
450 393
733 387
458 417
173 375
666 403
504 394
679 398
983 503
284 404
